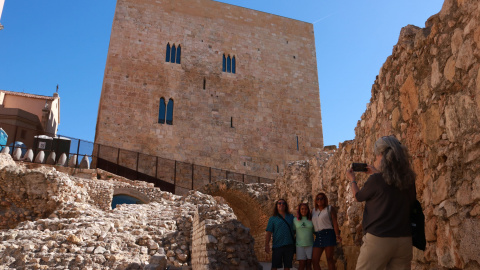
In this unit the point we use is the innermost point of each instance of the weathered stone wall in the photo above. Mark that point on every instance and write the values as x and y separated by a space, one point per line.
222 245
427 94
251 203
273 98
50 219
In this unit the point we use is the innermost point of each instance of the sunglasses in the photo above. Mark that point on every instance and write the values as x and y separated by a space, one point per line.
281 203
320 198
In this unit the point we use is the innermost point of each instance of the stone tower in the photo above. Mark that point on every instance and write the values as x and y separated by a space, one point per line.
210 84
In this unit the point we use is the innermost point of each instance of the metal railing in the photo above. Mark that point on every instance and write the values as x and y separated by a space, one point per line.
168 174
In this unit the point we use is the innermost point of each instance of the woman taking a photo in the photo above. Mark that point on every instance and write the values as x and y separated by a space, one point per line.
303 227
389 193
324 219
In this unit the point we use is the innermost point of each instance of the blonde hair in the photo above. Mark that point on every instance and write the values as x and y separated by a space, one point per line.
395 166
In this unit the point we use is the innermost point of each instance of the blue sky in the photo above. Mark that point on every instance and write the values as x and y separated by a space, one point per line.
45 43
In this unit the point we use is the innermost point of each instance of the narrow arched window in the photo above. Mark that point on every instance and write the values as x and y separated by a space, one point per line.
179 54
233 64
229 64
172 58
161 111
170 112
167 58
224 64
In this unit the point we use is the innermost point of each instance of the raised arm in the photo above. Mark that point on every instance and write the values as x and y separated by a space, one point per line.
353 183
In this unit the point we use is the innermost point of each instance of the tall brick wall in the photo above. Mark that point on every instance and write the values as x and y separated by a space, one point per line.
273 97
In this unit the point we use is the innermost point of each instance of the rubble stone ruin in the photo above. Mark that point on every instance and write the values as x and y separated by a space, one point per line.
427 94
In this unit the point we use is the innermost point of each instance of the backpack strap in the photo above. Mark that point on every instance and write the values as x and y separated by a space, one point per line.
290 228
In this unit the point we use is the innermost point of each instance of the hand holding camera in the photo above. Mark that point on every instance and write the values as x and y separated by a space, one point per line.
359 167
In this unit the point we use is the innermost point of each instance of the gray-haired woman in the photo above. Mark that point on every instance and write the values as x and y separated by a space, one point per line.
389 193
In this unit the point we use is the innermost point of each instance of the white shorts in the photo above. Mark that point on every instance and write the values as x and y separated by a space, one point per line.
304 253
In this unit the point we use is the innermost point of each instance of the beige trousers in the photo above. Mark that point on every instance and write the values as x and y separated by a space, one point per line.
385 253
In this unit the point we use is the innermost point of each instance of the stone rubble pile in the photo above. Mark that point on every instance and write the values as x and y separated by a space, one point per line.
63 226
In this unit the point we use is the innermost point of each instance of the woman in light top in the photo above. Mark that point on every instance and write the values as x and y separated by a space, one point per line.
303 227
324 219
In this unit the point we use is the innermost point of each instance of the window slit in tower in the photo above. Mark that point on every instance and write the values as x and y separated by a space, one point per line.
179 54
170 112
224 63
204 83
231 122
161 111
297 143
167 58
229 64
233 65
174 51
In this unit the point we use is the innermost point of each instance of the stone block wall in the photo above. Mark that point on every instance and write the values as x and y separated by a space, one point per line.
427 94
252 205
222 245
200 240
248 122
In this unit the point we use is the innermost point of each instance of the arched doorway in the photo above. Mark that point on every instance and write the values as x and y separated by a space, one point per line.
124 199
251 209
128 196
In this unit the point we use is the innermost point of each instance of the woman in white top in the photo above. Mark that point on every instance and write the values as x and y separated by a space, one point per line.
324 219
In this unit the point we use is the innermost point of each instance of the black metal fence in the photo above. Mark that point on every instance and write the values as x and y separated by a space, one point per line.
169 175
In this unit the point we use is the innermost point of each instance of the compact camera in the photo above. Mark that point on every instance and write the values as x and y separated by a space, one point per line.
359 167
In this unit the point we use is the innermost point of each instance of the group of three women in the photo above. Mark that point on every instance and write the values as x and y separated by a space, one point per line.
321 222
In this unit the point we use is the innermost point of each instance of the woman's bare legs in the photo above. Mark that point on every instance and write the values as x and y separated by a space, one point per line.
317 253
329 251
301 264
305 265
308 265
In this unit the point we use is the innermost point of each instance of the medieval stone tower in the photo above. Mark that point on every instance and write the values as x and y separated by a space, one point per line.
210 84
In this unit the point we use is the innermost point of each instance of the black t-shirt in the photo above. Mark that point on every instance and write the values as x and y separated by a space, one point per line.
387 208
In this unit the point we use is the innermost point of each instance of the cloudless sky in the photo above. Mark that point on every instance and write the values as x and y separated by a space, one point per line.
45 43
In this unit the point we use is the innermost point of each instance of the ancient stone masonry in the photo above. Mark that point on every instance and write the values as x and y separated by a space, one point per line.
222 245
50 219
251 203
251 121
427 94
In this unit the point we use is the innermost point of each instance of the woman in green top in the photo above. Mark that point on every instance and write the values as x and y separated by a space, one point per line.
303 227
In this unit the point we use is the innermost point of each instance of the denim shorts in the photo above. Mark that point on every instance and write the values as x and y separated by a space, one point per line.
325 238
